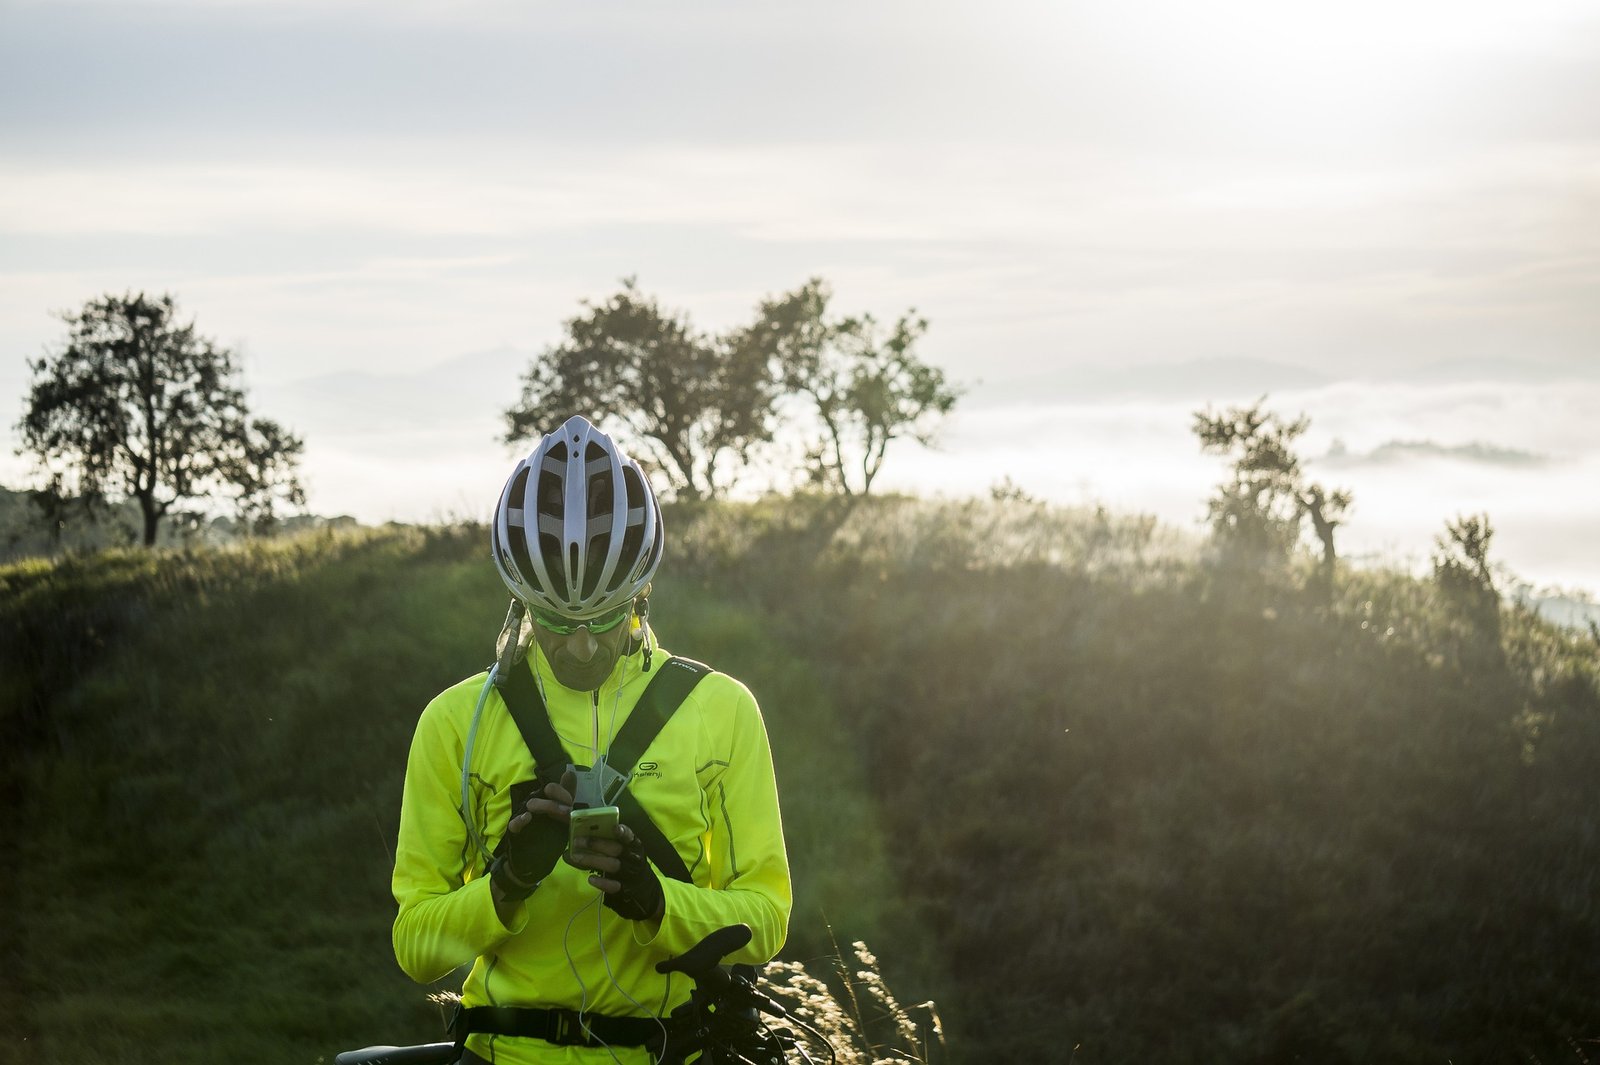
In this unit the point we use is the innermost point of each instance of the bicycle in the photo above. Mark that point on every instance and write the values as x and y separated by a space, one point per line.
721 1023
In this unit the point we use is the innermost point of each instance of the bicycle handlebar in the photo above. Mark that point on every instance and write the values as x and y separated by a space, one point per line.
426 1054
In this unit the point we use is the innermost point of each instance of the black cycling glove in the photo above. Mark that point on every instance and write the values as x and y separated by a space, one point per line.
527 857
640 898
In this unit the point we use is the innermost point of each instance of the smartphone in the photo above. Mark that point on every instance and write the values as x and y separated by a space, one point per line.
596 821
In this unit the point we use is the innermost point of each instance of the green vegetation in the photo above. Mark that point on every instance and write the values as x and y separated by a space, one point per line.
1081 789
200 757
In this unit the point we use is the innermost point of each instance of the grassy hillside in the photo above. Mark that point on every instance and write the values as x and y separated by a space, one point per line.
207 790
204 759
1091 794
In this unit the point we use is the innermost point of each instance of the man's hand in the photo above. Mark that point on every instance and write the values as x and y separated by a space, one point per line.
536 838
622 873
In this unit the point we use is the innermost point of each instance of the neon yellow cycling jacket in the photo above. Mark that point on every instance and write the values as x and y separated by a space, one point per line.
707 783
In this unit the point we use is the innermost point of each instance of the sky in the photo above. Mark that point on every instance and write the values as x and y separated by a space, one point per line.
1383 215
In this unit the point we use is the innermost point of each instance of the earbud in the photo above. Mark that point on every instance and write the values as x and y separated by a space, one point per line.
641 615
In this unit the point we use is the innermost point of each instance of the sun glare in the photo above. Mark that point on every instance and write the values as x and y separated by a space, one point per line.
1313 72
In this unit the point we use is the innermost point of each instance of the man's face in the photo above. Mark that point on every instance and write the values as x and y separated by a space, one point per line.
582 660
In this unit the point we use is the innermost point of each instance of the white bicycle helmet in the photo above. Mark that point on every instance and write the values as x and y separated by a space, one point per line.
578 530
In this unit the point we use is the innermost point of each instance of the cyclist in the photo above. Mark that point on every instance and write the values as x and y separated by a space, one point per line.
563 932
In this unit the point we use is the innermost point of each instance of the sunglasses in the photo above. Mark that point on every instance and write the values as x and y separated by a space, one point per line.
563 626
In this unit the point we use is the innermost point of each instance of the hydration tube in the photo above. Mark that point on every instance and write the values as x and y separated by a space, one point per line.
466 762
506 647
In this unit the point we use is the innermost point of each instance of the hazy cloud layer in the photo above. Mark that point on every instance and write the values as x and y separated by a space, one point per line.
1142 456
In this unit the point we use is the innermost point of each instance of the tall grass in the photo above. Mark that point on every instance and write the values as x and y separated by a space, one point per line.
856 1014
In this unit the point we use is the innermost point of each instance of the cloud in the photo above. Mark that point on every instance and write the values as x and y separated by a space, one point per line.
1396 451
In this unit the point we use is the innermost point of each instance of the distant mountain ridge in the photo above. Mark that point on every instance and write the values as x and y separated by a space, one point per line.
1223 380
464 397
1506 370
474 387
1202 379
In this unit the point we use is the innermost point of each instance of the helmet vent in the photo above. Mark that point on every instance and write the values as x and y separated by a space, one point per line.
597 564
550 551
632 541
514 494
518 544
600 489
549 500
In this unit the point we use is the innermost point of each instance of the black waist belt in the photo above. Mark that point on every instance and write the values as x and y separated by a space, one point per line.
559 1026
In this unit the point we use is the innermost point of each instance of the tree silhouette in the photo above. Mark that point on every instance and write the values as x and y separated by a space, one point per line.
138 405
1326 511
262 472
1462 571
1256 515
864 385
695 404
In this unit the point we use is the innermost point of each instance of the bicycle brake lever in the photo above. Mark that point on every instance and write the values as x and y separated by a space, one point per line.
770 1006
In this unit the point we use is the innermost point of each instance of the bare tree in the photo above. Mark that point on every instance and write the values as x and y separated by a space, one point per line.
1326 511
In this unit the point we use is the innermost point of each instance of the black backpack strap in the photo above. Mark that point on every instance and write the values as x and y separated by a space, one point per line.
661 698
521 694
666 692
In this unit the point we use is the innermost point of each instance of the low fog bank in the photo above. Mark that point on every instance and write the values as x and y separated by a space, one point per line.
1415 456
